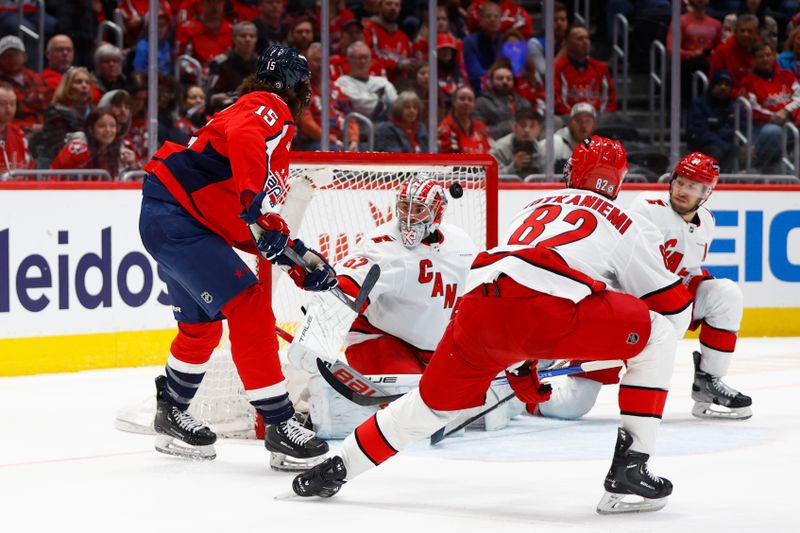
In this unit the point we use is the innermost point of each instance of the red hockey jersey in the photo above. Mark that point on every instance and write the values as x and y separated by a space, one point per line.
732 57
770 95
243 147
195 39
592 84
454 140
389 46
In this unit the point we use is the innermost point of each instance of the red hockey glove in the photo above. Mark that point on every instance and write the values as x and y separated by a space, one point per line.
526 385
270 232
322 277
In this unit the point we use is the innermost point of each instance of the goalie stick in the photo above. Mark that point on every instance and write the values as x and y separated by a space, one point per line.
443 433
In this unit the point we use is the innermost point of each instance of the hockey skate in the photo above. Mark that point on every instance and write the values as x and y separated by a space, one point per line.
629 476
177 432
714 399
324 480
293 448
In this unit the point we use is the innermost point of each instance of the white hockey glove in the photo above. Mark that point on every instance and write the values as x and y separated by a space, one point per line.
321 333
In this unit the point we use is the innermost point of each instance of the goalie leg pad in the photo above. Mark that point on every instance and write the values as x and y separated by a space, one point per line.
572 398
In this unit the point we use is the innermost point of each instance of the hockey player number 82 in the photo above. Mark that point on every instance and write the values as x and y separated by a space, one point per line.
535 224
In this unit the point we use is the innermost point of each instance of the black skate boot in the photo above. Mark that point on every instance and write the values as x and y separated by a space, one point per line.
629 475
708 391
324 480
294 448
177 432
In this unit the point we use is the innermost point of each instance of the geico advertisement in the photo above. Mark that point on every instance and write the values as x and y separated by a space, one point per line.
72 262
756 241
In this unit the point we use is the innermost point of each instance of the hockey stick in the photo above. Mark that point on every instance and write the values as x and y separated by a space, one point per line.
443 433
354 386
366 286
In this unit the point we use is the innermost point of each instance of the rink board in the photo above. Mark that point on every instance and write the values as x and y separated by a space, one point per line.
78 291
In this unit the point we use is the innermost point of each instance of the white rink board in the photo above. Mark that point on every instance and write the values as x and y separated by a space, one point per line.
40 295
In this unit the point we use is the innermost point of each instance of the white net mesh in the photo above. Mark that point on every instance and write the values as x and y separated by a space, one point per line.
349 200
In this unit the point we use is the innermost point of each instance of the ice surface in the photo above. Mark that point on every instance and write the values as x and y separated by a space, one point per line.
64 466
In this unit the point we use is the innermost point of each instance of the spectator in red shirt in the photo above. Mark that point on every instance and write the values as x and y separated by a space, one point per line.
352 31
775 96
99 148
206 37
33 94
459 133
700 34
581 78
512 17
391 46
60 54
734 55
301 34
272 28
13 145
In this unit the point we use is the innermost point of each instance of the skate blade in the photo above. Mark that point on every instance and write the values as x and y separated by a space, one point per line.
280 462
719 412
170 446
133 427
612 503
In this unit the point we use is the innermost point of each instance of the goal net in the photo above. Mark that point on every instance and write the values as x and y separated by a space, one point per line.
332 202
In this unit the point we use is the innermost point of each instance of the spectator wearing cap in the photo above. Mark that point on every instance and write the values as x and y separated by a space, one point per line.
72 103
60 54
774 94
108 74
497 106
710 121
581 125
271 27
229 70
537 44
141 57
359 91
519 152
790 57
450 65
581 78
403 132
481 48
206 37
14 152
390 46
352 31
700 34
734 55
459 132
32 92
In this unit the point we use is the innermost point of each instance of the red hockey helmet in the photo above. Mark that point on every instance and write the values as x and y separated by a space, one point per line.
597 164
420 206
698 167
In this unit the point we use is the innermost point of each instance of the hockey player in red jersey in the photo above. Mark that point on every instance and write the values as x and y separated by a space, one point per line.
576 276
424 264
223 191
687 229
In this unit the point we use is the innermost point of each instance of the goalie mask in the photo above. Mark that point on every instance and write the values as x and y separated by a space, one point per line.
420 207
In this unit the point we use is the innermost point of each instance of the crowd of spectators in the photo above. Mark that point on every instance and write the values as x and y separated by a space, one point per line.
87 107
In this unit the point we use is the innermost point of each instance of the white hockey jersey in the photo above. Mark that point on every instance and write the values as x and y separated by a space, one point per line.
418 287
683 244
592 235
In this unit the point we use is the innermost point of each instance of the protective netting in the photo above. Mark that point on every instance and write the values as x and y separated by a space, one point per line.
348 201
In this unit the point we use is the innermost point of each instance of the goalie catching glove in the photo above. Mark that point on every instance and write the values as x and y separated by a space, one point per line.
526 385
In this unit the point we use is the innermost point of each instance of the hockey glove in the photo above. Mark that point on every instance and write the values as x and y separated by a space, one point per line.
270 232
320 277
526 385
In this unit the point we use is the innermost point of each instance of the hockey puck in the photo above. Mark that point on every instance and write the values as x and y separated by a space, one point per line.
456 191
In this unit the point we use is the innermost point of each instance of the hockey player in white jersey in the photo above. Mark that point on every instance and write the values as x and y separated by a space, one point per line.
424 264
687 229
575 276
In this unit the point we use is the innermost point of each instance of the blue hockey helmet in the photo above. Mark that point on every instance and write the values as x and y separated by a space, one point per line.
283 68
